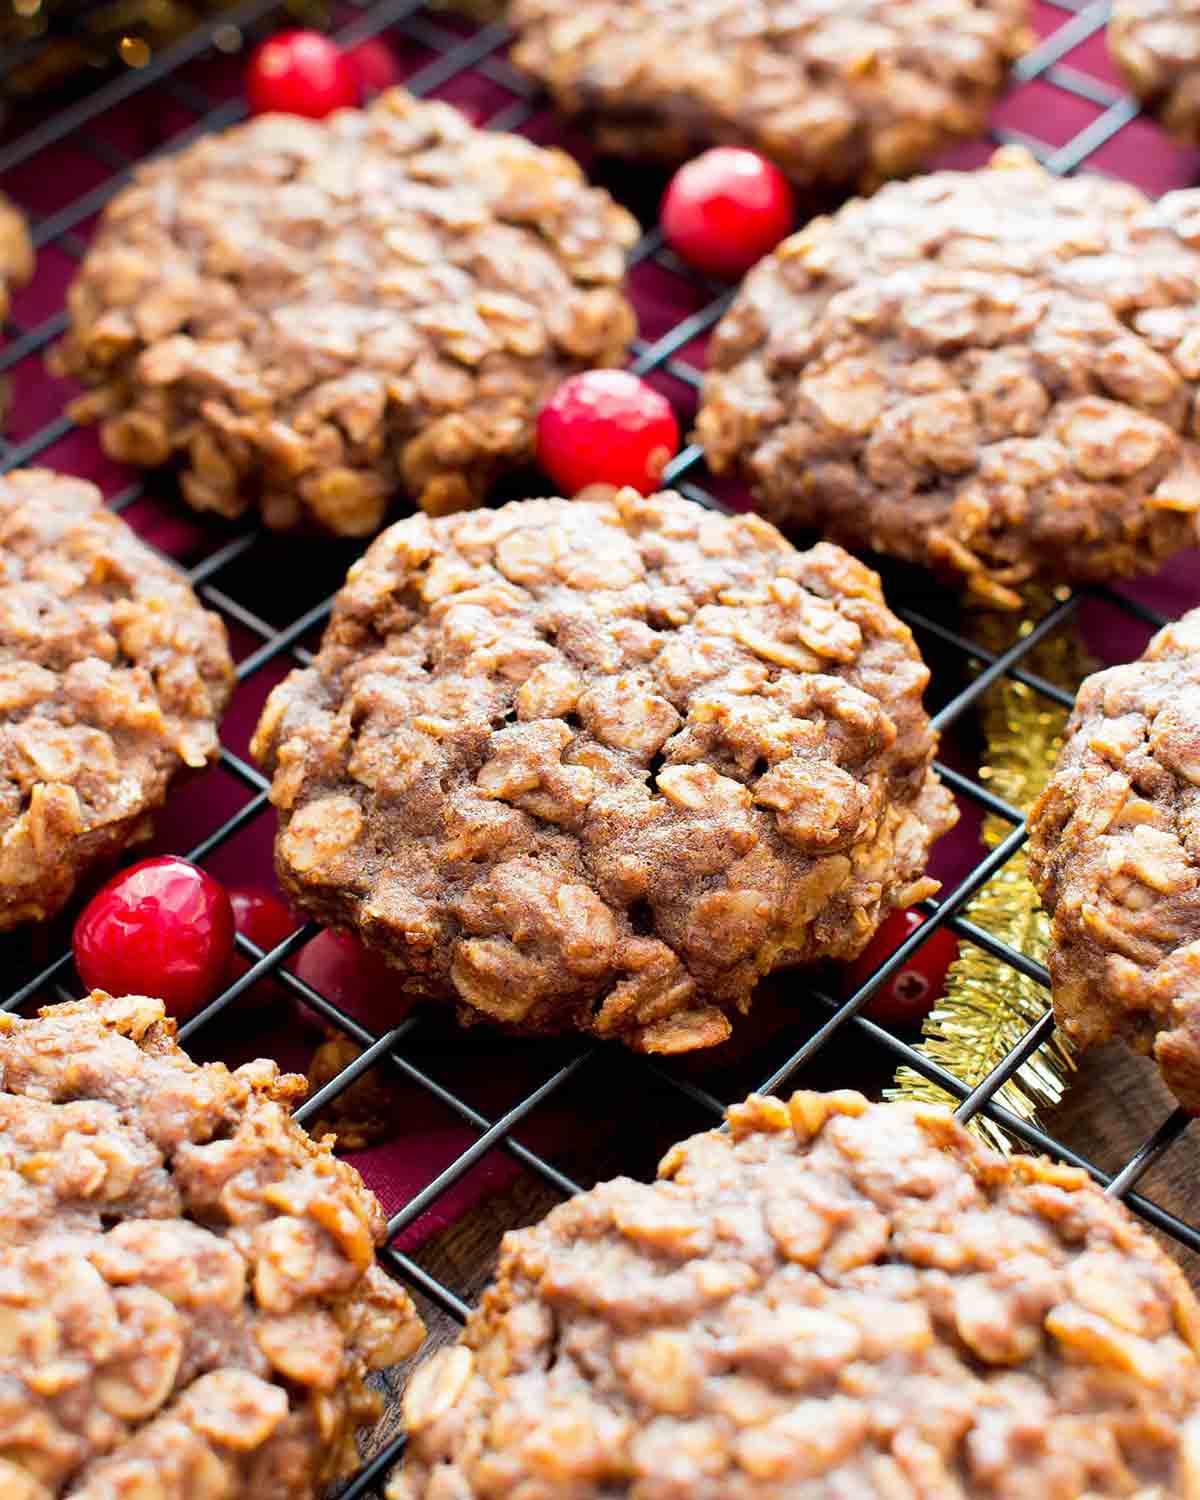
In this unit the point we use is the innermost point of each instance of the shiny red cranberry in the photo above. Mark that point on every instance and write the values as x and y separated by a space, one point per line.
606 427
354 979
914 989
266 921
300 73
163 927
374 65
724 210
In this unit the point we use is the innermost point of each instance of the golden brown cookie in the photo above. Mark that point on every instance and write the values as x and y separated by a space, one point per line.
112 680
846 94
833 1299
316 316
991 373
16 251
16 267
600 764
1115 853
188 1287
1156 45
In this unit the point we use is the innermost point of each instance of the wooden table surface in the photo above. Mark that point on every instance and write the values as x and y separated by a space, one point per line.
1115 1102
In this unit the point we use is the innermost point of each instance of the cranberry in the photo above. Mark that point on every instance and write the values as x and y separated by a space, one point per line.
353 978
904 1000
266 921
724 209
473 114
300 73
606 427
163 927
374 65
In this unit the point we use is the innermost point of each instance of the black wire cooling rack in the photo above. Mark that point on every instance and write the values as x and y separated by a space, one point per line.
193 88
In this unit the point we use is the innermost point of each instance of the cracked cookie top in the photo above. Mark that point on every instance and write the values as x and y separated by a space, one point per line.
318 315
112 680
603 763
847 94
1115 853
993 373
189 1298
1156 45
833 1298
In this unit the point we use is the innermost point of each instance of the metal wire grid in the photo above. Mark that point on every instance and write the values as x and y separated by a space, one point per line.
455 52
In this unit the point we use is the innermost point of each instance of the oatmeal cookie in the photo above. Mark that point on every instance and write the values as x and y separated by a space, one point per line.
993 373
189 1295
314 315
600 764
112 679
1115 854
16 251
833 1299
16 267
1156 45
363 1114
846 94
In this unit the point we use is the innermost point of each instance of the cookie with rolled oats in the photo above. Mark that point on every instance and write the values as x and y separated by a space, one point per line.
16 251
1115 853
317 316
601 764
992 373
845 94
190 1297
1156 46
113 678
16 267
829 1298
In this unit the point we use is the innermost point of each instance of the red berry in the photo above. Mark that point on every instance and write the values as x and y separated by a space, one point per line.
606 427
374 65
354 979
473 114
724 209
266 921
261 916
904 1000
300 73
163 927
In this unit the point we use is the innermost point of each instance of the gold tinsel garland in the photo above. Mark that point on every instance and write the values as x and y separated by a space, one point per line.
988 1006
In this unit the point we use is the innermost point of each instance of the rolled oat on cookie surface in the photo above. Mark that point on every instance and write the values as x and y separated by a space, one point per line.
1156 46
1115 853
600 764
112 679
993 373
189 1295
834 1298
318 316
846 94
16 251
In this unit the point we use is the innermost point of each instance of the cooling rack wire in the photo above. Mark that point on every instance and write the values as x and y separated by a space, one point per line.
589 1110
